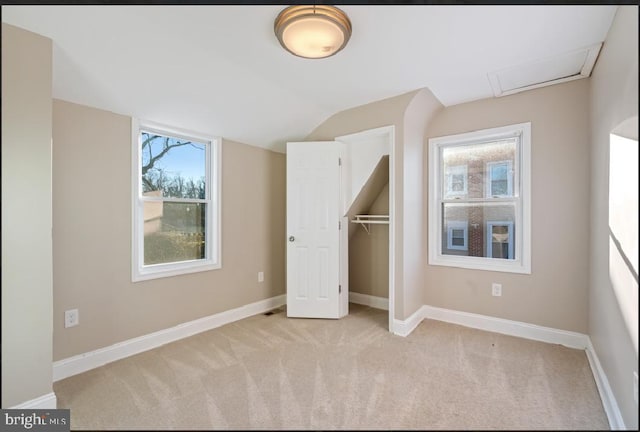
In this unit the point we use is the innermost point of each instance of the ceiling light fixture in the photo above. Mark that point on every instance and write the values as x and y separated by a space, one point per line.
317 31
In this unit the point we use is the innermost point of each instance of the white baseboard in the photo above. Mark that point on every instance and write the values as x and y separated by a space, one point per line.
508 327
369 300
83 362
606 394
492 324
404 328
48 401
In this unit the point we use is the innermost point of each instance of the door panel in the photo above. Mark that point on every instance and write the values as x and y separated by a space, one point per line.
313 237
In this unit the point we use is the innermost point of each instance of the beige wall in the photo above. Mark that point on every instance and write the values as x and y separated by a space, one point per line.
555 293
614 99
408 113
26 216
92 236
418 119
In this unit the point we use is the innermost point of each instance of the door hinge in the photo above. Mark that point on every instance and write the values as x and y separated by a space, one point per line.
339 289
339 225
339 161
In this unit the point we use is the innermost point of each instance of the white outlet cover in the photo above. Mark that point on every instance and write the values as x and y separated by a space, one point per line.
71 318
260 276
496 289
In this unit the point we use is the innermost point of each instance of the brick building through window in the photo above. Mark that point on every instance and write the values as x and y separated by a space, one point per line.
489 173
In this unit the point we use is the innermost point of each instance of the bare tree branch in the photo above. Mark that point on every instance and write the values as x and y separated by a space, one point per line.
166 147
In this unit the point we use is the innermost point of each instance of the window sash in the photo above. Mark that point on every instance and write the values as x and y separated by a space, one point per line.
209 142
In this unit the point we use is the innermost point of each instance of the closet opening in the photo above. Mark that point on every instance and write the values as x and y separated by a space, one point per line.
366 243
369 245
340 227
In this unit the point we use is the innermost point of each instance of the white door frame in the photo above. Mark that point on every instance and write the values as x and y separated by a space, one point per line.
387 132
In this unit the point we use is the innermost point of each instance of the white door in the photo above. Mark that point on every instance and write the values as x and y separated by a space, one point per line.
313 235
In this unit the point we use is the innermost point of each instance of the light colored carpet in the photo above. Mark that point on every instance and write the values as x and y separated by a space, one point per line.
270 372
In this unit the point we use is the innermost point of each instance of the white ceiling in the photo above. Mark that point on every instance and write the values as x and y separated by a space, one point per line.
220 69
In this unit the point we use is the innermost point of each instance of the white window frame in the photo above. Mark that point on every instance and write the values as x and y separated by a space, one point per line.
490 225
457 225
491 164
457 170
213 254
521 192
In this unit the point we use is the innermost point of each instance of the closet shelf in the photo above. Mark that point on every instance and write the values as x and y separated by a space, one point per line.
366 220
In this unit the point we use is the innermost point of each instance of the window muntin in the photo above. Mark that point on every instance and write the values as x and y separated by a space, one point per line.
497 165
176 202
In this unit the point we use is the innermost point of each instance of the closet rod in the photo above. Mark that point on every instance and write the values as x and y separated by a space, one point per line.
378 218
366 220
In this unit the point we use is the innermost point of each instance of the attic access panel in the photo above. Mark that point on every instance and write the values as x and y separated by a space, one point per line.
541 73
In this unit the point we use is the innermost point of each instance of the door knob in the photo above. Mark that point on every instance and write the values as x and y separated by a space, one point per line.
291 238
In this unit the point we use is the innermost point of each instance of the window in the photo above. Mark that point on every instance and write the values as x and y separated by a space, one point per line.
456 180
176 202
623 219
457 235
499 179
479 199
500 240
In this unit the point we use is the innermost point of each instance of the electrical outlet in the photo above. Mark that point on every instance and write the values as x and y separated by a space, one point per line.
635 387
260 276
496 289
71 318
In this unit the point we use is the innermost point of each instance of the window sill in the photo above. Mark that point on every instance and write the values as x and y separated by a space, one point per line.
473 263
169 270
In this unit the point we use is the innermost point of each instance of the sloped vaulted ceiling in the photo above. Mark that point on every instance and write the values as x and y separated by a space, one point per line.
220 69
